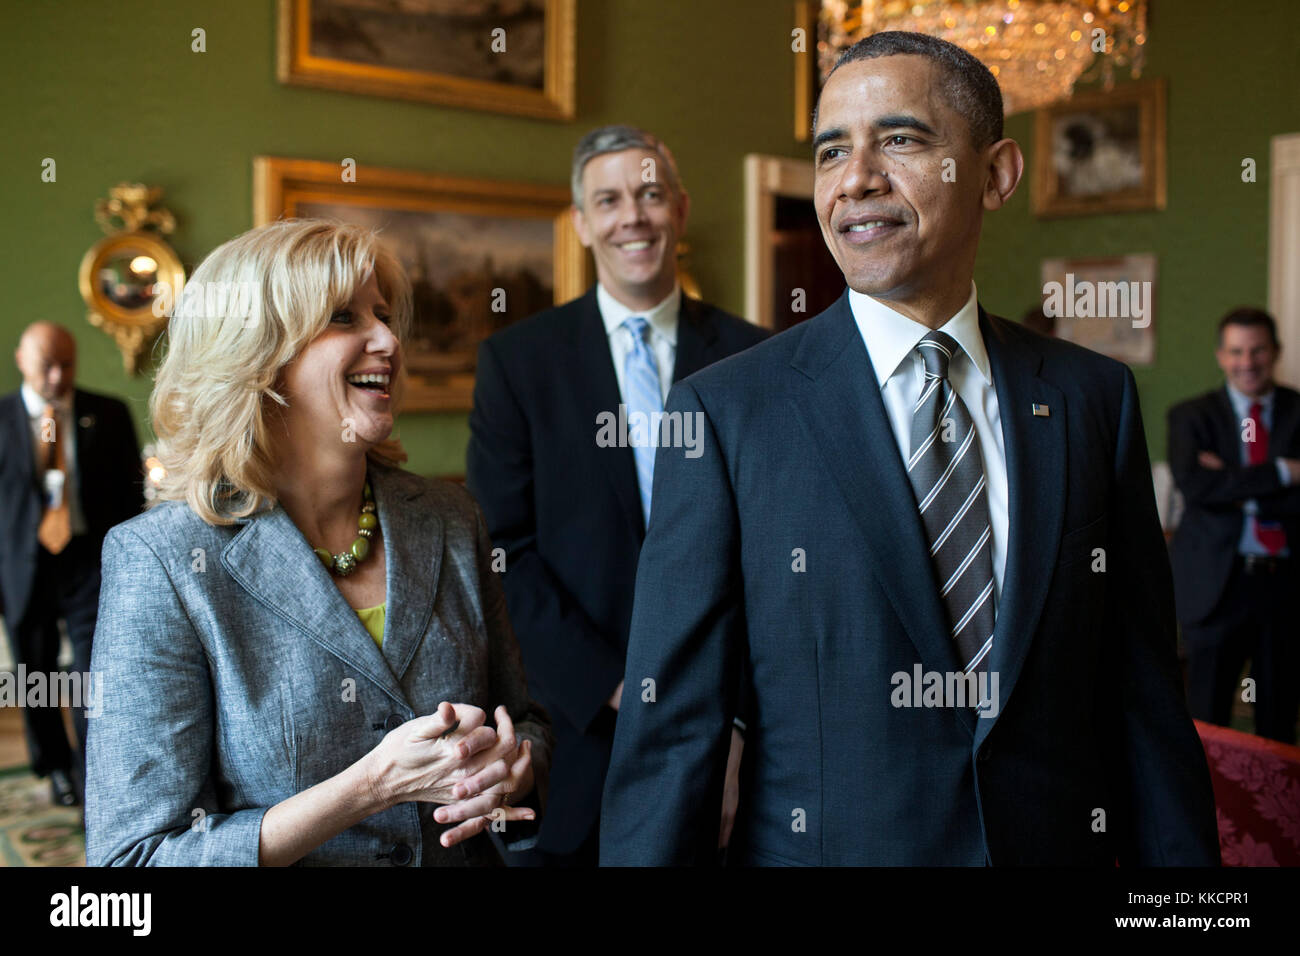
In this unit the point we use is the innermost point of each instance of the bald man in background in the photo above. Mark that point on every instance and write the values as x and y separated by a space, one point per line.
71 470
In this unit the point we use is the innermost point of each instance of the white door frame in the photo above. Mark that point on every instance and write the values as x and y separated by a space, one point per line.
767 177
1284 251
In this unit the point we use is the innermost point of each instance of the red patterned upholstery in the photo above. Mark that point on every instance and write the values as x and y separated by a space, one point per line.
1256 795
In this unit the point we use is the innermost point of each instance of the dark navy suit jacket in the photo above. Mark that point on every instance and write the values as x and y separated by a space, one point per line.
568 514
1205 545
109 477
1091 757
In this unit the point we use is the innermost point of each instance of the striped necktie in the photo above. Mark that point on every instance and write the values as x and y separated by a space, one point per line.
948 480
641 381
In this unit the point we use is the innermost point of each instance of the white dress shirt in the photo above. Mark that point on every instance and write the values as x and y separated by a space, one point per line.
891 341
67 434
663 335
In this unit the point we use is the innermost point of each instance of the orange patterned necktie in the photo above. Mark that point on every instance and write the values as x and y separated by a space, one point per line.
56 524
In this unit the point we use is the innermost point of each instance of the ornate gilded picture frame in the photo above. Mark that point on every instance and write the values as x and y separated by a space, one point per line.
515 57
1101 152
807 74
131 278
480 255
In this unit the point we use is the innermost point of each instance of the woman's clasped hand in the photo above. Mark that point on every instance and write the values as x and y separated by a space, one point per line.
454 758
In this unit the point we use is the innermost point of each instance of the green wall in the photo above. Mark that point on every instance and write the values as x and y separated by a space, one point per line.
1233 81
112 92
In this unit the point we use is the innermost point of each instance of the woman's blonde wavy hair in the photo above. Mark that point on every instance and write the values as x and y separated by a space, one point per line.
248 310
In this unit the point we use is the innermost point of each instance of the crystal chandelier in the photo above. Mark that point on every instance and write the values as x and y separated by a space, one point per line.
1037 49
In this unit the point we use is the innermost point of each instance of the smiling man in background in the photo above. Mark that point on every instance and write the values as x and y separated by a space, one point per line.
906 483
1235 455
569 510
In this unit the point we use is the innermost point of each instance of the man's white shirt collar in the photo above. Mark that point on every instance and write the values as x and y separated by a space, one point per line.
662 318
36 405
1241 402
891 337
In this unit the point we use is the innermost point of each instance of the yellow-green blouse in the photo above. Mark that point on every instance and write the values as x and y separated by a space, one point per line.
372 619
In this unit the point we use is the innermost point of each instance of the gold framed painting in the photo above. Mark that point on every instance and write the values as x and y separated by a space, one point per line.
1101 152
480 254
807 76
503 56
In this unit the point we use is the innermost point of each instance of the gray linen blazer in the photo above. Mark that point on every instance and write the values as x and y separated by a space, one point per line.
235 675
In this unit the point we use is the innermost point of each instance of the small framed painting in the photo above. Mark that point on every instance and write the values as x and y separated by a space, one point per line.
480 255
1101 152
504 56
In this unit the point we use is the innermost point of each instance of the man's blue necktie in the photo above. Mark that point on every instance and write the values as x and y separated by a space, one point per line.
641 381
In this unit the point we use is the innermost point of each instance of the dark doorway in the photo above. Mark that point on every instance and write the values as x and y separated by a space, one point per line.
800 261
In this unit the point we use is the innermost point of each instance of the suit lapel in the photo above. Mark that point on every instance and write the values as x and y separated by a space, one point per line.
16 417
1228 428
413 541
83 435
842 409
597 386
597 389
1035 447
1286 419
271 560
696 334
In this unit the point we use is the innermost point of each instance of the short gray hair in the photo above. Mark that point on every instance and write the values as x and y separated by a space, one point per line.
615 139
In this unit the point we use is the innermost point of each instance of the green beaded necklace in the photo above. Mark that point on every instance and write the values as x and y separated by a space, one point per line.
367 524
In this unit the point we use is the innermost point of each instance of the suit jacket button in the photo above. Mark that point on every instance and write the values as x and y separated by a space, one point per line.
985 754
394 721
401 854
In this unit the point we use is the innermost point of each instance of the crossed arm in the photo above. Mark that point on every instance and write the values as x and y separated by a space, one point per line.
1207 480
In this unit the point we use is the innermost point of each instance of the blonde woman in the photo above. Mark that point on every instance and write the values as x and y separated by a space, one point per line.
305 651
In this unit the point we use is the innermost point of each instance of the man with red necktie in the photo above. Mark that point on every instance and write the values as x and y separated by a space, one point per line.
1235 455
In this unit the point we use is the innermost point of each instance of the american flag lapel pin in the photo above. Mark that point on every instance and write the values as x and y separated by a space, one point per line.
1042 411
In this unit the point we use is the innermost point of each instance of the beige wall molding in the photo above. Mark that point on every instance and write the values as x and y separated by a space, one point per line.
1284 250
766 178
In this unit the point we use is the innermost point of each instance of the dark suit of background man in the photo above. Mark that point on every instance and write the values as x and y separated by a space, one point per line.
70 471
1235 455
570 514
801 550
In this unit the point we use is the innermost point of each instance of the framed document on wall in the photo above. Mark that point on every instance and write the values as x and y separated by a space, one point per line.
1106 304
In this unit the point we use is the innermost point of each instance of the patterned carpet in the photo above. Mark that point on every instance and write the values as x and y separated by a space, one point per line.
33 831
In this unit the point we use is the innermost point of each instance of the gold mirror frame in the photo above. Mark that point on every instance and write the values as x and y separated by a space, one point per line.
131 328
135 207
